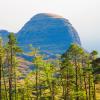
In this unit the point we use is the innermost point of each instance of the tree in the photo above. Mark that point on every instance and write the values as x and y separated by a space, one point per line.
1 62
74 56
2 76
93 57
38 62
12 49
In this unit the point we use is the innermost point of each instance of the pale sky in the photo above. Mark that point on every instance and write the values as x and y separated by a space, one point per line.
84 15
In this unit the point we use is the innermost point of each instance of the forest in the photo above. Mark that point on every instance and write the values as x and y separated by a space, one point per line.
74 75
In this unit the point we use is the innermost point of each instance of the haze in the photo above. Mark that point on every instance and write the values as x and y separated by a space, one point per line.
83 14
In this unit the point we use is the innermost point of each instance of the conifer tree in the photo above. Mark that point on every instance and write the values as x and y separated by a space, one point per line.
12 49
93 57
73 57
1 62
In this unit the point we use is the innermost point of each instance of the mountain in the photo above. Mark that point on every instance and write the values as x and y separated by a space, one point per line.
4 34
51 33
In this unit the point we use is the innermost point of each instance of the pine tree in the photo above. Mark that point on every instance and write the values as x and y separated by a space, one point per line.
1 62
93 57
12 49
73 57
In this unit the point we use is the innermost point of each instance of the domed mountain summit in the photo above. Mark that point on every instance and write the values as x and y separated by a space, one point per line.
49 32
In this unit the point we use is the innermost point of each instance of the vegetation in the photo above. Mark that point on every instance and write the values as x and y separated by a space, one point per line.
71 76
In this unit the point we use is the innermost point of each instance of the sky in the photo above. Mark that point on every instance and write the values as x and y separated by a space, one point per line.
84 15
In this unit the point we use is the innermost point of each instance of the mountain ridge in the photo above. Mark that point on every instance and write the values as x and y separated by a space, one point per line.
49 32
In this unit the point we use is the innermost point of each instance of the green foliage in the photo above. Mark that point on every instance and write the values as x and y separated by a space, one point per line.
69 77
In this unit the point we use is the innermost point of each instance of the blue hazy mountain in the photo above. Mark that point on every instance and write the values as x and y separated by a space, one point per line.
4 34
51 33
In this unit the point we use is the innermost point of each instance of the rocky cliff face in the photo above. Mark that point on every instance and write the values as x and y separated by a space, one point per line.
50 33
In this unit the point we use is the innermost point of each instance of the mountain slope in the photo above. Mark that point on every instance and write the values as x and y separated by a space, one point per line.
4 34
49 32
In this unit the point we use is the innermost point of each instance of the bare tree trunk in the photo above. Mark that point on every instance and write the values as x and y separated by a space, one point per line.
76 70
89 78
94 88
15 82
10 75
89 88
40 90
5 84
53 91
67 84
37 84
85 87
62 86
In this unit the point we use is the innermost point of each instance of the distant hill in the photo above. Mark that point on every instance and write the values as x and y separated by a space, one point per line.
49 32
4 34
